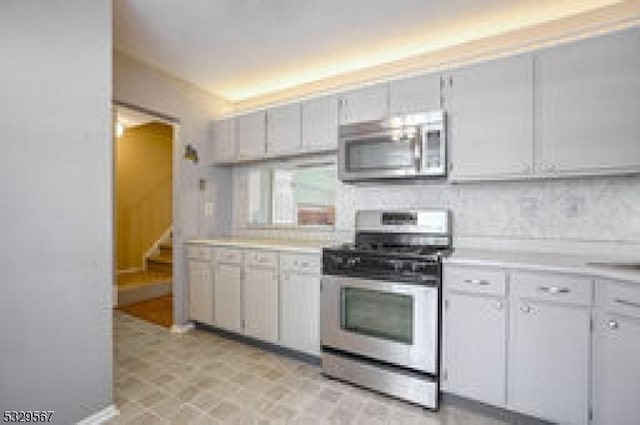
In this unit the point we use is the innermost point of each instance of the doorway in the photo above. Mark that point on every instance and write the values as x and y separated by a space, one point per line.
143 214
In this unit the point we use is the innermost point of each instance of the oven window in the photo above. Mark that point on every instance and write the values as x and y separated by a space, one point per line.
379 314
379 154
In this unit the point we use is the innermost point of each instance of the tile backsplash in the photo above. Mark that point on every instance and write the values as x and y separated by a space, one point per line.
605 209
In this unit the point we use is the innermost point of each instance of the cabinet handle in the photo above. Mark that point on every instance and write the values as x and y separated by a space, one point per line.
549 167
480 282
613 325
628 303
304 265
525 308
553 290
499 305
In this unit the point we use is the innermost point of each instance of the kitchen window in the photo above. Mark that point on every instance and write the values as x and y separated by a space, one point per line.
286 195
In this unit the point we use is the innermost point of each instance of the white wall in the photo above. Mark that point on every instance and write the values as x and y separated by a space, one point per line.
56 242
138 84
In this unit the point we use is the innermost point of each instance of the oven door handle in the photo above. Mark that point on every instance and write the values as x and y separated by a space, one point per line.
379 285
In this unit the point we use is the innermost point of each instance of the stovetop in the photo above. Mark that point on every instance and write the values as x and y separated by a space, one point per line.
418 252
412 264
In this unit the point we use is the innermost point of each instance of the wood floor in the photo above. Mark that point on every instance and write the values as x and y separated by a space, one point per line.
156 310
143 277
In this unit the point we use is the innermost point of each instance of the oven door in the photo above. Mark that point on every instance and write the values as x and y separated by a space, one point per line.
384 154
388 321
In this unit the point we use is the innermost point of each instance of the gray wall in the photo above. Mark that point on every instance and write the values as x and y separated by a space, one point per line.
56 242
143 86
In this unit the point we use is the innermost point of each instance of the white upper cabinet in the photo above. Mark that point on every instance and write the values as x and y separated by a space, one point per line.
283 130
366 104
320 124
224 141
588 105
416 94
490 119
251 135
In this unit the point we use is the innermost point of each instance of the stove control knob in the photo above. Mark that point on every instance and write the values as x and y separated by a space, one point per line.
336 259
351 262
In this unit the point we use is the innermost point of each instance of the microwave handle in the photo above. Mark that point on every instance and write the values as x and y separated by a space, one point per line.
417 152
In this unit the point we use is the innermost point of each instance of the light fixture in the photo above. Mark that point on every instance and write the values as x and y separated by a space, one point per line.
119 129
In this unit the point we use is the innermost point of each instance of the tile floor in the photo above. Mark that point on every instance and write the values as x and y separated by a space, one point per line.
201 378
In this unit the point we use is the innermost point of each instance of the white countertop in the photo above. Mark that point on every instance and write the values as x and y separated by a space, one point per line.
550 262
303 246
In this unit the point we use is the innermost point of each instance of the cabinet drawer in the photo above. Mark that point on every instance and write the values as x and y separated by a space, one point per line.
300 263
199 252
618 298
261 258
475 280
552 287
229 255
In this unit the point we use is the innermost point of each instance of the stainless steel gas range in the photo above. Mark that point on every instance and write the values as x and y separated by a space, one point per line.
380 305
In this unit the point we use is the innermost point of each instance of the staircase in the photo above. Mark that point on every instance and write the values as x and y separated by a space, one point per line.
162 259
156 280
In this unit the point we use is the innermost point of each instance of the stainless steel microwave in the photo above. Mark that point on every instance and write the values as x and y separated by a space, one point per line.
407 146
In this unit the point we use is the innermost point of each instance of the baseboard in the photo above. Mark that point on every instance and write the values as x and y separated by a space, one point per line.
100 417
180 329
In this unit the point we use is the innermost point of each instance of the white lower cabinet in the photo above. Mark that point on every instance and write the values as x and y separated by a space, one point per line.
537 342
475 347
549 362
300 302
549 346
228 296
200 290
265 294
260 301
616 374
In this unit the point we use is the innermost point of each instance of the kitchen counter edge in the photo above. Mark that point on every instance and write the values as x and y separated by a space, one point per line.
308 247
542 262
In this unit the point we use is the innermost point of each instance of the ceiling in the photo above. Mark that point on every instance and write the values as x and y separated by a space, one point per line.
132 118
239 49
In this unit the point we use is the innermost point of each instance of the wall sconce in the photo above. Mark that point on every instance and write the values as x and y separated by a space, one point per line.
191 153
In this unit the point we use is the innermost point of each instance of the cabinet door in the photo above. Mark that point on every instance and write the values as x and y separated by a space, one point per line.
224 141
300 312
200 291
549 347
261 303
475 347
365 104
490 119
588 98
616 373
416 94
227 300
283 130
251 135
320 124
